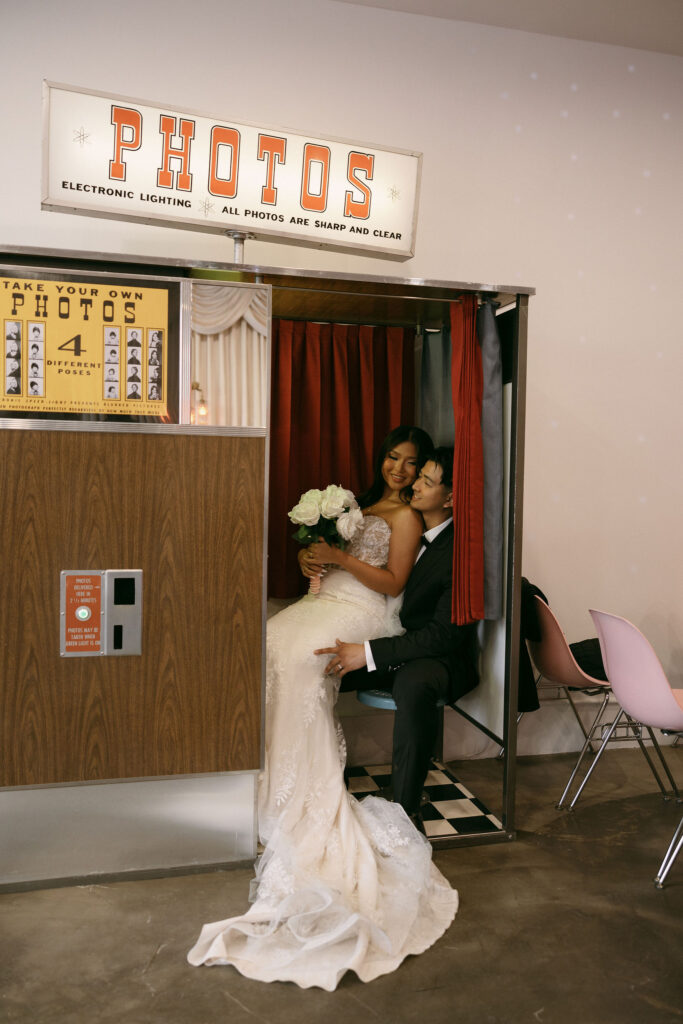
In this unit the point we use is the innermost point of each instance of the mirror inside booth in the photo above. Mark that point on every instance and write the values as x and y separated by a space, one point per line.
351 359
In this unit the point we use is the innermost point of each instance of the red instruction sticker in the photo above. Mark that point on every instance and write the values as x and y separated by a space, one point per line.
83 604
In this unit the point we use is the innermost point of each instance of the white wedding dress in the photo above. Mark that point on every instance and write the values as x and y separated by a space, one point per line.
342 884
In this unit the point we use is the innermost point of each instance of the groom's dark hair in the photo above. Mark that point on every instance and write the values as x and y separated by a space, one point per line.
443 457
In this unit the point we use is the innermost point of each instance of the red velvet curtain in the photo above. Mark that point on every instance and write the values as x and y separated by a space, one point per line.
337 390
468 465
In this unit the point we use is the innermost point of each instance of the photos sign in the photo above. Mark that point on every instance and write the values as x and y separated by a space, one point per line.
109 156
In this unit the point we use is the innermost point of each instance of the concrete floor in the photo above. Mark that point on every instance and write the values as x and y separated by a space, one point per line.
562 926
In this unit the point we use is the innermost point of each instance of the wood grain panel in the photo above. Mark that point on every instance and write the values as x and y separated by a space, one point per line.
186 510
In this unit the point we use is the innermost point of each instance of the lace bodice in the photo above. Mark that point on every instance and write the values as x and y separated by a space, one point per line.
371 543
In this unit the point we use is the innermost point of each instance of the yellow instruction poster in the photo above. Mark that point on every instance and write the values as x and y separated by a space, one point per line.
84 347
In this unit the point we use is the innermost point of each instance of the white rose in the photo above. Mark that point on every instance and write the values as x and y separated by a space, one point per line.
349 522
307 511
334 500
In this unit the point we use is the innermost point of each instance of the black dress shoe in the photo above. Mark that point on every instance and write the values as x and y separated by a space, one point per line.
418 822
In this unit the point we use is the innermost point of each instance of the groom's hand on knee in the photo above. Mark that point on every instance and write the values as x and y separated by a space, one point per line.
347 658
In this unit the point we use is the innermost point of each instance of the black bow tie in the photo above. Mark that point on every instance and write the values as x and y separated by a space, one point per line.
425 540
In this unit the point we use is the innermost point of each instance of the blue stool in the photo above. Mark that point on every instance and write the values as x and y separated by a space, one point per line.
383 699
377 699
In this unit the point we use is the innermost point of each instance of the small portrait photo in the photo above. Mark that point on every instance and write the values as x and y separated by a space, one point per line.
35 386
111 374
155 339
13 349
133 391
35 368
12 331
35 350
111 336
133 337
154 359
133 357
112 355
111 390
13 367
134 375
12 386
154 395
35 333
154 373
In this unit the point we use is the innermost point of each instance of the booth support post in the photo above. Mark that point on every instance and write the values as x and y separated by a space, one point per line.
514 558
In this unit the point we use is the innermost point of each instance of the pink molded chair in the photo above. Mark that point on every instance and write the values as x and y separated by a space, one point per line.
558 669
641 687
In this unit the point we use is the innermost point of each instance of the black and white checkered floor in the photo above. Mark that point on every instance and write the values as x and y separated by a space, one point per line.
449 810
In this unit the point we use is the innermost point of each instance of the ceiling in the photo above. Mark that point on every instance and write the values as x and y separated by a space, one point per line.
642 24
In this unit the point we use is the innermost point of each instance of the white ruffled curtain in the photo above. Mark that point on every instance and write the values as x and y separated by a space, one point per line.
229 354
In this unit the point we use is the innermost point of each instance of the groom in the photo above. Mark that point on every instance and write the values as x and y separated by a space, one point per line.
433 660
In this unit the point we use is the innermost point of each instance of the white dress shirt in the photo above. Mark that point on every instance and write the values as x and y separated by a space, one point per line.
428 535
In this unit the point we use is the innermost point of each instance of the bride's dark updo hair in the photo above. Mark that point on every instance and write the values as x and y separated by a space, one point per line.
423 443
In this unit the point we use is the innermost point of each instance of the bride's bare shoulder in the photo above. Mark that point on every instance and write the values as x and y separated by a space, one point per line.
405 517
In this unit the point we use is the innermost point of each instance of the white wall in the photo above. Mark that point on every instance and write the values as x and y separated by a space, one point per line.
547 162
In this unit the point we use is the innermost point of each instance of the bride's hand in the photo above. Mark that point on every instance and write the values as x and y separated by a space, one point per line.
324 553
308 564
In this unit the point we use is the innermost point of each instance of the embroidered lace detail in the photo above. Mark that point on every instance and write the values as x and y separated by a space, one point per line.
371 544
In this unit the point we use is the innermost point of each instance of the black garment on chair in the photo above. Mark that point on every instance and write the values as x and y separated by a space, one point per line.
588 657
586 653
527 695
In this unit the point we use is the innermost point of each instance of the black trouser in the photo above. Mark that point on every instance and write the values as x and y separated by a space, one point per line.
416 686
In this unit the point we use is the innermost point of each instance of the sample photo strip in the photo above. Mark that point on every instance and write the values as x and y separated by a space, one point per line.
12 357
111 380
154 369
36 358
36 336
133 338
35 377
12 337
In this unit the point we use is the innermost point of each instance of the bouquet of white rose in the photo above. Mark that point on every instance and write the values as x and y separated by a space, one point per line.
332 514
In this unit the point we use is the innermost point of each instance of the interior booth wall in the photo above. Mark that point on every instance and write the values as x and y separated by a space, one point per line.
161 815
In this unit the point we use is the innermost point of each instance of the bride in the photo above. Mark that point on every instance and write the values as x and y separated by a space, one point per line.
342 884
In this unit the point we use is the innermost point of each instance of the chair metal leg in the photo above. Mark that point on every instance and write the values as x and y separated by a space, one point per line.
577 716
670 856
597 757
596 723
636 728
655 744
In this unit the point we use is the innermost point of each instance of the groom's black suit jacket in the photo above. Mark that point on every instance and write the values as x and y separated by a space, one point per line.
426 617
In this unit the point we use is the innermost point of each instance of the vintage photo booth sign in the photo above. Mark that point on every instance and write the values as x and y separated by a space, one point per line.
115 157
84 346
